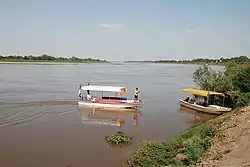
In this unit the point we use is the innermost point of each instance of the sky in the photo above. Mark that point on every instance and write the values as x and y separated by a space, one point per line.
119 30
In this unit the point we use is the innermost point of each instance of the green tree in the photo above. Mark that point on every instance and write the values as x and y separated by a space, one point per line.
242 80
241 59
234 82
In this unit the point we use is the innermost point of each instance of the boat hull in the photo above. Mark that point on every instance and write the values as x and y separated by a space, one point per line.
212 109
123 105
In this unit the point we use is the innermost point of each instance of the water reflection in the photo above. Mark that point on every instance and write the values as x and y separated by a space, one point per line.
197 117
115 117
119 145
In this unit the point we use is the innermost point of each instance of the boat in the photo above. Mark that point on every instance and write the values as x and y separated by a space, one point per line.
205 107
116 101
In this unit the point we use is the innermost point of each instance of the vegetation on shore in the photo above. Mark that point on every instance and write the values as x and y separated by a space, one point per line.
221 61
188 147
234 82
119 138
182 150
47 58
231 144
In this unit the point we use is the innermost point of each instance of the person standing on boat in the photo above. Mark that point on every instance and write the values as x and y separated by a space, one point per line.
136 94
80 92
88 94
88 90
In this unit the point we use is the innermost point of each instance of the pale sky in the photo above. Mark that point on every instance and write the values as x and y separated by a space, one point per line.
126 30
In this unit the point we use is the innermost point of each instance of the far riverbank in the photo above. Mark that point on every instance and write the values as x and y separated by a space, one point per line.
49 63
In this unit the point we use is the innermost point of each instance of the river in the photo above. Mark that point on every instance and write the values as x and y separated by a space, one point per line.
41 125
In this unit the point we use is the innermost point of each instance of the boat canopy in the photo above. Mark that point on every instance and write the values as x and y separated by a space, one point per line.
104 88
201 92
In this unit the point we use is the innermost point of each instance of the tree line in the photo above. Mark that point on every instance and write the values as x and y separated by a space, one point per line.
238 60
45 57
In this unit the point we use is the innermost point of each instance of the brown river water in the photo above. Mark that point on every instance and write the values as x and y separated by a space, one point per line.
41 125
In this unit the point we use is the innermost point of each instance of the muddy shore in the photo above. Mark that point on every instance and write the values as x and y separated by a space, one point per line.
231 144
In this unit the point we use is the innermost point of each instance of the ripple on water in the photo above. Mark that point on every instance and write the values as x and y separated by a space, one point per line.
18 113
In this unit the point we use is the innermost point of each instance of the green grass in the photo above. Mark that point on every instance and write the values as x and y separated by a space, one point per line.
193 142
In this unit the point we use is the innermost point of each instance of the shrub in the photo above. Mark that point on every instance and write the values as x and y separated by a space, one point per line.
243 100
242 80
119 138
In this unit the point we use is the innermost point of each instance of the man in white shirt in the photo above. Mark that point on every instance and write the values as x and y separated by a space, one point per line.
88 96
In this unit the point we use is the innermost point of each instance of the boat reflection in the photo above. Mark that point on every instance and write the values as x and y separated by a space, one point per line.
119 145
109 117
198 117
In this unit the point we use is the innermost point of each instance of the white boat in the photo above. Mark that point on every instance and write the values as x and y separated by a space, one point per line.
208 108
117 101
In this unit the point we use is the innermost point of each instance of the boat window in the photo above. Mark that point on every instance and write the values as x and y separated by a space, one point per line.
114 98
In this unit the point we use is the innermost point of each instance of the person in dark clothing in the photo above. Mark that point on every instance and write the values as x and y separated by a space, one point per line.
136 94
187 99
88 92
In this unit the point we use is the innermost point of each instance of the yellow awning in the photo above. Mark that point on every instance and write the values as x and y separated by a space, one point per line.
201 92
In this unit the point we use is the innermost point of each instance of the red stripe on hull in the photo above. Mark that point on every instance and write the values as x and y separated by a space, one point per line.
104 101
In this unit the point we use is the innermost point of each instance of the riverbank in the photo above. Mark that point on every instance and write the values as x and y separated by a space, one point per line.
231 144
246 64
208 143
49 63
47 60
200 61
188 63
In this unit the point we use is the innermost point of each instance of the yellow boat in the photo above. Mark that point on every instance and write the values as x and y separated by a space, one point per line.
210 109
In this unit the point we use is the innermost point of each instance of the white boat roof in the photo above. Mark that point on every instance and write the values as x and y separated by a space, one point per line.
103 88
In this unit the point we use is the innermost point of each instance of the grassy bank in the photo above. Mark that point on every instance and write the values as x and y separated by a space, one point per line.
182 150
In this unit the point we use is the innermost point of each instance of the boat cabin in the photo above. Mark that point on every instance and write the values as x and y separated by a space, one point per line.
119 91
201 97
